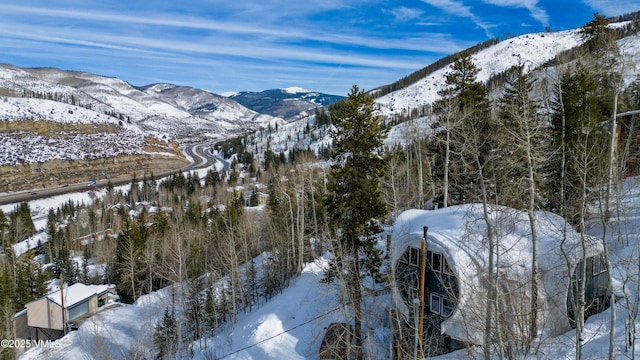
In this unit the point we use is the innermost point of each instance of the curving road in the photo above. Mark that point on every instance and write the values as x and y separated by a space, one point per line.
201 159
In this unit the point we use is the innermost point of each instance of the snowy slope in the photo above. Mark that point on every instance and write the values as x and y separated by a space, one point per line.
73 143
222 113
180 111
531 50
630 51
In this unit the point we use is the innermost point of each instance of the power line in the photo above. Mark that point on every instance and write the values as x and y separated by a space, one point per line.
283 332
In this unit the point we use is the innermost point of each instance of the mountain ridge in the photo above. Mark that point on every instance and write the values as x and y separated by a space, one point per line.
288 103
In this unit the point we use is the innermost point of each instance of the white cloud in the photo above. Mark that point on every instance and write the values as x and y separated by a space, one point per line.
531 5
403 14
451 7
457 8
614 7
230 31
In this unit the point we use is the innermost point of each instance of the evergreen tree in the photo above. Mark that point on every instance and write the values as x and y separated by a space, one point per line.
580 139
162 224
253 199
600 37
212 178
129 268
521 141
211 311
54 243
62 265
251 283
464 128
134 190
21 226
166 335
235 209
354 200
194 309
4 225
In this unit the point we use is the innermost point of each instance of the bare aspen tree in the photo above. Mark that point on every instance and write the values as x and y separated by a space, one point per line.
601 41
525 130
390 182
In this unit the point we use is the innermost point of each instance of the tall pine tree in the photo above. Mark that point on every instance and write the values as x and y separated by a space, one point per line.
354 199
464 129
580 140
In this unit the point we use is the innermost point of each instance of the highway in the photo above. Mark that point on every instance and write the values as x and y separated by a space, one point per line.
201 159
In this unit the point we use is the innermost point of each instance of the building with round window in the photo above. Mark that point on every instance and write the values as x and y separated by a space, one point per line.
452 311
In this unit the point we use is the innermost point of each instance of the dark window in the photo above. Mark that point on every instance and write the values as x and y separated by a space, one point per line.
447 268
436 303
578 274
599 265
78 310
414 256
436 262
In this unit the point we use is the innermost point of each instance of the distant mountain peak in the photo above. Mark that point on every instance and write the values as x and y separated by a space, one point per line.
175 110
289 103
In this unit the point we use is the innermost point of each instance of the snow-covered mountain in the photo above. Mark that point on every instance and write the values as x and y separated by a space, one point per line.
177 111
535 51
531 50
289 103
52 121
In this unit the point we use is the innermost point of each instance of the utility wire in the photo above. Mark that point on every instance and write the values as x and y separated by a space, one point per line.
283 332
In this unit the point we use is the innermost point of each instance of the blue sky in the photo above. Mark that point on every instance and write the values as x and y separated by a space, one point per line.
254 45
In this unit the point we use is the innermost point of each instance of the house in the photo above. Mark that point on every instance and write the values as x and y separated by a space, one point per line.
255 198
456 274
78 245
44 319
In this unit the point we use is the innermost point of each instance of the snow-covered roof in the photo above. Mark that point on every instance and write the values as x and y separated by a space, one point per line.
76 294
460 233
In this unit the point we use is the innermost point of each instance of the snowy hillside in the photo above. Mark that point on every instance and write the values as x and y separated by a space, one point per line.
177 111
532 50
85 134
